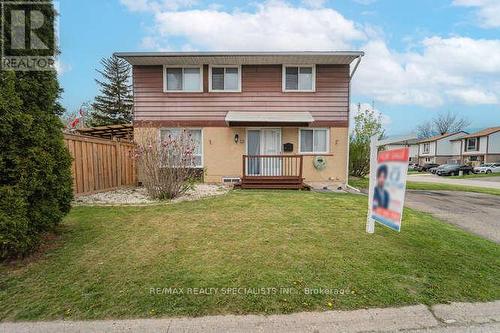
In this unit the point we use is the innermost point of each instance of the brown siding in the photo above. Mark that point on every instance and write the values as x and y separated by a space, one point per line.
261 91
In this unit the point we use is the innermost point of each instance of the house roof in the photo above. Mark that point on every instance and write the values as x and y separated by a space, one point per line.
485 132
404 142
240 58
439 137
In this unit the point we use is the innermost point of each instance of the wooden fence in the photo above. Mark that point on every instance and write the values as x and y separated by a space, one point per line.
100 164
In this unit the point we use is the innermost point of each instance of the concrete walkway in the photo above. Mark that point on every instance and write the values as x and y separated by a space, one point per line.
455 317
493 182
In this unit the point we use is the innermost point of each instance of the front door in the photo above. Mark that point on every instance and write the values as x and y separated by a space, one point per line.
266 141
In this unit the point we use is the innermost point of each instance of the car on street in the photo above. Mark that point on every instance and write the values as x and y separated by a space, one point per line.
454 170
488 168
426 167
435 169
413 166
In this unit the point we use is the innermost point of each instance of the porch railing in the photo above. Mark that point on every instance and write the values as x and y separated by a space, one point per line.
276 166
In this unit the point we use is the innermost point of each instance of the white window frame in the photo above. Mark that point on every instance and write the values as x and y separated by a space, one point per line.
476 145
424 150
283 78
223 66
314 152
181 91
187 129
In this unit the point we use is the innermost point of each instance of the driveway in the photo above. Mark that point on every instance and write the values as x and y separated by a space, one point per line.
489 182
474 212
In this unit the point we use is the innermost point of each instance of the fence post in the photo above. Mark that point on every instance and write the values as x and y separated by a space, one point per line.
118 151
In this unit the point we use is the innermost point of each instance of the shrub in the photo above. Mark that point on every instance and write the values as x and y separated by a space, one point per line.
35 174
166 165
14 223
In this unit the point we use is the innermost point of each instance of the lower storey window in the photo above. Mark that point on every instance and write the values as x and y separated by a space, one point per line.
314 140
194 134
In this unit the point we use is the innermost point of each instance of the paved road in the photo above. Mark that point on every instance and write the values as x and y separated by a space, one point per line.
489 182
475 212
455 317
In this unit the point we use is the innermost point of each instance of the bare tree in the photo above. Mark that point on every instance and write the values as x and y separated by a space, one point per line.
425 130
445 122
449 122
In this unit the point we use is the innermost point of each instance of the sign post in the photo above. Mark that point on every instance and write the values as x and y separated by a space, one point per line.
370 223
388 172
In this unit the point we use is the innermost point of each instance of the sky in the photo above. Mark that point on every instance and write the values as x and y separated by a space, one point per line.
422 57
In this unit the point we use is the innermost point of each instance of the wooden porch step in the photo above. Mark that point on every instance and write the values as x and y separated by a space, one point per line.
273 186
296 181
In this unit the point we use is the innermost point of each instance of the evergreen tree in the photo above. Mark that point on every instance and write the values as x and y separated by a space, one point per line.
35 166
114 105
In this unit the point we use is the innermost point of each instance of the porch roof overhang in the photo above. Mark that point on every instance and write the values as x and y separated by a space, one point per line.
242 118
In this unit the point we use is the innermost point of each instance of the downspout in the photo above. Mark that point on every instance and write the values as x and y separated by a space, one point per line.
348 120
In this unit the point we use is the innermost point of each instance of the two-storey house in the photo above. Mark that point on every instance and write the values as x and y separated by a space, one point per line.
440 149
269 119
412 144
480 147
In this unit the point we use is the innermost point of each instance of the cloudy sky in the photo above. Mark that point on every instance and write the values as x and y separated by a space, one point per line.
422 56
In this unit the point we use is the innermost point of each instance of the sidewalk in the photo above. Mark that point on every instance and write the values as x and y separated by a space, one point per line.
455 317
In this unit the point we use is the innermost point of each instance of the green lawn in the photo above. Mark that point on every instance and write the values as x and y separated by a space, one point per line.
109 258
477 175
362 183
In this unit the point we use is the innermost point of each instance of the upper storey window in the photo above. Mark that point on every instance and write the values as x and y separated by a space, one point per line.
183 79
225 78
299 78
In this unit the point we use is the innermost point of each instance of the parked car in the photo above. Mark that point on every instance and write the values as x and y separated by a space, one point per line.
427 166
488 168
442 166
454 170
433 170
413 166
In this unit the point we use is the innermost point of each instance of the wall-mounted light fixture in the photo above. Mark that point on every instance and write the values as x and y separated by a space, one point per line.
236 138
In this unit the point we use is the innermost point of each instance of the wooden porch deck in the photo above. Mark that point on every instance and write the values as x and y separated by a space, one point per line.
272 172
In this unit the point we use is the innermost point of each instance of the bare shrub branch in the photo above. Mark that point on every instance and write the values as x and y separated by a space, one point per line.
167 165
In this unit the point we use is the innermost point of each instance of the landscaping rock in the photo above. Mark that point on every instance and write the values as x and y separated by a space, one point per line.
139 196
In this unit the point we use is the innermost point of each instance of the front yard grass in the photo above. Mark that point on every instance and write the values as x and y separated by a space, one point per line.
362 183
476 175
109 260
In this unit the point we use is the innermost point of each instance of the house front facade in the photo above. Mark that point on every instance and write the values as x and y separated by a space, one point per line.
480 147
440 149
281 115
411 144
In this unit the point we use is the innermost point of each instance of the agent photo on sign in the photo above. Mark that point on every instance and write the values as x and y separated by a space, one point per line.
381 197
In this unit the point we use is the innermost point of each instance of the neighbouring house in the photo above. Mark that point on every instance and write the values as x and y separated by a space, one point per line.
410 143
269 119
440 149
480 147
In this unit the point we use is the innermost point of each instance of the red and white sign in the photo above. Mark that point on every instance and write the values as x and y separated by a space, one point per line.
388 187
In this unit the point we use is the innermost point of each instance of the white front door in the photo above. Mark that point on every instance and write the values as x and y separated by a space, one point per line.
265 141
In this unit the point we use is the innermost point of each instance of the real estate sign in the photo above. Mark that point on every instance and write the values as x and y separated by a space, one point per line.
388 185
